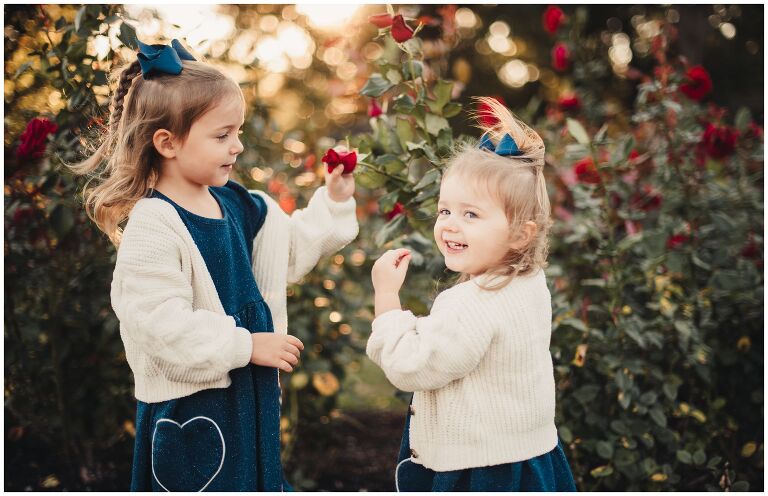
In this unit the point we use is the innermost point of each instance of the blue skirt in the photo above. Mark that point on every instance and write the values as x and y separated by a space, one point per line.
549 472
225 439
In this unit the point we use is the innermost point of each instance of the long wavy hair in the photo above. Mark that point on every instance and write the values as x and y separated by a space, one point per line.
124 164
516 183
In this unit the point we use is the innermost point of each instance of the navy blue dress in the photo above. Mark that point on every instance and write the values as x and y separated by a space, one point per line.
225 439
549 472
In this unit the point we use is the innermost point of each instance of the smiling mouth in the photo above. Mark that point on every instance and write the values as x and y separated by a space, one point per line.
454 247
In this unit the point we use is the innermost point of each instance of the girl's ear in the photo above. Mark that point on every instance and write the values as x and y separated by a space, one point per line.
525 236
164 143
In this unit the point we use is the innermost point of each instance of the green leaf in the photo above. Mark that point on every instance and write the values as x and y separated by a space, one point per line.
403 103
444 141
390 230
388 201
577 324
684 457
565 434
404 132
370 179
699 457
577 131
451 110
605 449
657 414
742 119
79 18
670 391
128 35
431 177
394 76
435 124
376 85
442 92
418 69
62 220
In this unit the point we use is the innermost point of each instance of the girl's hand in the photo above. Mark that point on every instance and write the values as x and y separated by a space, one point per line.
275 350
388 272
340 186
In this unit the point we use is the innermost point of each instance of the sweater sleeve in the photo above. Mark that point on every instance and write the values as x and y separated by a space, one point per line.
426 353
322 228
152 298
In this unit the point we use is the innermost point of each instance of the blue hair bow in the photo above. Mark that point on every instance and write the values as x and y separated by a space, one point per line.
506 146
155 59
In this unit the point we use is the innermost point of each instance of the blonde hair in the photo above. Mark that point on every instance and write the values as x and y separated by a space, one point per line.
124 164
515 182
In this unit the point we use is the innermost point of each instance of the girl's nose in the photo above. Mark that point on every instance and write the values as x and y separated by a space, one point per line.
238 148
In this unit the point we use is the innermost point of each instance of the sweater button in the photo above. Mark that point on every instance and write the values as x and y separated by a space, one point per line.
414 454
411 410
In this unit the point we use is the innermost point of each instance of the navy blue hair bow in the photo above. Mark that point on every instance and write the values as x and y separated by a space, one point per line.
506 146
166 59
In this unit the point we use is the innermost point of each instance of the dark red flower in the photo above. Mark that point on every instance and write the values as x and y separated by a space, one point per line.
400 30
633 154
374 110
381 20
398 209
333 158
754 131
646 199
750 250
552 19
719 141
568 103
34 138
677 240
484 113
698 83
560 56
586 172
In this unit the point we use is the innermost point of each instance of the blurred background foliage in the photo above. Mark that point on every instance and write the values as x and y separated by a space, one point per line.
655 167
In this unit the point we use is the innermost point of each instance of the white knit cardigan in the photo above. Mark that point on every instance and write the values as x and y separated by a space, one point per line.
178 339
481 370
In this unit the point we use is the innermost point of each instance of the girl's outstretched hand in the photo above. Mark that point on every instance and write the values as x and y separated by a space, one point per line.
340 186
388 273
275 350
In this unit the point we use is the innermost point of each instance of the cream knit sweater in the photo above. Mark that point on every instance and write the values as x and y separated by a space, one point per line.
177 338
481 370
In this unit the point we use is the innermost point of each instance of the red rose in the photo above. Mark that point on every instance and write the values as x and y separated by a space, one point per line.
560 56
374 110
633 154
754 131
381 20
586 172
646 200
333 158
719 142
400 30
34 138
398 209
552 19
750 250
677 240
484 113
698 85
568 103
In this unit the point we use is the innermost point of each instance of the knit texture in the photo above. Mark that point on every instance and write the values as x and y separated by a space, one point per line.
178 339
481 370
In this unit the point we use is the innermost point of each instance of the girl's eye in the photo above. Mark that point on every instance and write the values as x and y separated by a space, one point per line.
223 136
443 211
471 215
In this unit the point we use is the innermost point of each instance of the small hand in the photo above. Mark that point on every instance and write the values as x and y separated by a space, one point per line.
340 186
388 273
275 350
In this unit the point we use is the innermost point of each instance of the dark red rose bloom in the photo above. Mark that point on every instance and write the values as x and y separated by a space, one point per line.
569 103
374 110
333 158
646 200
698 83
719 141
677 240
754 131
400 30
381 20
750 250
586 172
633 154
34 138
560 56
552 19
398 209
484 114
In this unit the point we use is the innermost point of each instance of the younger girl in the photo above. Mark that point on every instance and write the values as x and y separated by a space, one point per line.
483 410
200 279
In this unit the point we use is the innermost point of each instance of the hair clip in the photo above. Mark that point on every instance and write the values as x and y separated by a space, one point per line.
155 59
506 146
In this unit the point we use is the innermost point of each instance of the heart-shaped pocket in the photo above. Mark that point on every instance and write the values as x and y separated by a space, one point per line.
188 456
